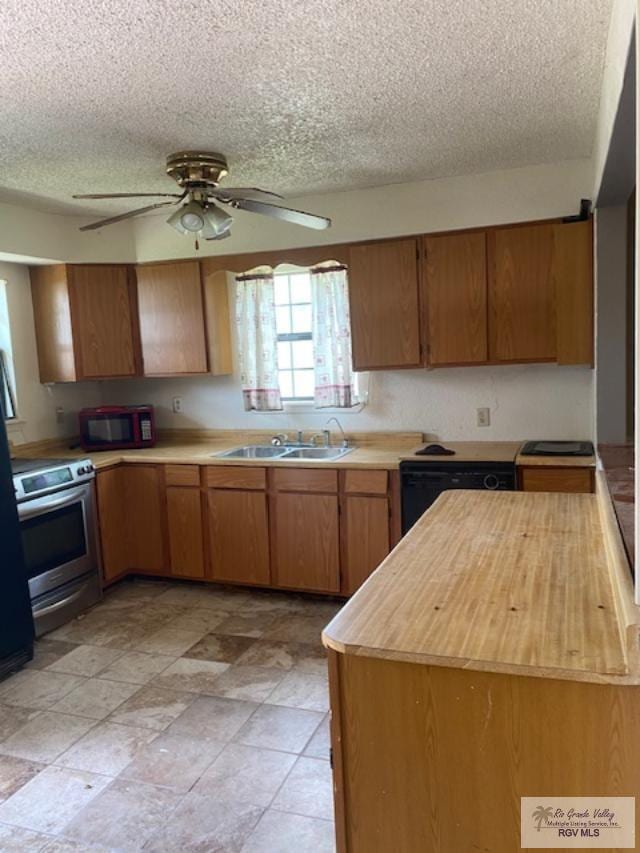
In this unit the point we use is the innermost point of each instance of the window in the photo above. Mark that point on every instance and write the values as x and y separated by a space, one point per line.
8 403
295 343
7 379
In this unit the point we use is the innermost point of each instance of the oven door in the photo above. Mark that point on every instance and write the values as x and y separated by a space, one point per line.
58 537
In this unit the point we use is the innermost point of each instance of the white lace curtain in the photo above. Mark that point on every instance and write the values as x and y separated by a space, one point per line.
258 342
332 338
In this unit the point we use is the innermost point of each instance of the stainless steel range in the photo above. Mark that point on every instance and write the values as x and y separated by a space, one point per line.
57 515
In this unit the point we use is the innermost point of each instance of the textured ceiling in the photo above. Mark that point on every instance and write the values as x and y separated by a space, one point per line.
303 96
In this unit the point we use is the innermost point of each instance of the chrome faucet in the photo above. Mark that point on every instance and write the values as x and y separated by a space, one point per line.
327 433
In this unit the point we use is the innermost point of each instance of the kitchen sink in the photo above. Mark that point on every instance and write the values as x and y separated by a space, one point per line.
318 452
253 451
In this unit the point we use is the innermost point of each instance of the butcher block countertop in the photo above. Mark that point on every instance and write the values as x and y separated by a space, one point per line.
514 582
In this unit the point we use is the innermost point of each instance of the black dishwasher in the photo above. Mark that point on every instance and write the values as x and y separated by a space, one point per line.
422 482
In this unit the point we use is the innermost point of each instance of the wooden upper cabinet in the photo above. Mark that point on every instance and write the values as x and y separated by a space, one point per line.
522 316
385 305
52 319
455 298
573 279
172 321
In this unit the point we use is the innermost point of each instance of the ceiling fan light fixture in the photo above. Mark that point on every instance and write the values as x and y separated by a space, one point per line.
196 217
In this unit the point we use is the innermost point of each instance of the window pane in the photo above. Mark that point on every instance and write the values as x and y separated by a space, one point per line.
283 320
281 283
286 383
303 380
301 315
284 354
302 353
300 287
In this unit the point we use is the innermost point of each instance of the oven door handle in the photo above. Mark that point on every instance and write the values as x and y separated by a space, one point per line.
46 505
62 603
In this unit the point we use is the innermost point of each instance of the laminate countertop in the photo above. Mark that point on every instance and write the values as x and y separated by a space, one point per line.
517 582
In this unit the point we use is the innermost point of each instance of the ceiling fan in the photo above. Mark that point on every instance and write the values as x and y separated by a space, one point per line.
198 174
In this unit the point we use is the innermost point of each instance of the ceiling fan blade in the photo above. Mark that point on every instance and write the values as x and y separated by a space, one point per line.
128 195
298 217
252 193
110 221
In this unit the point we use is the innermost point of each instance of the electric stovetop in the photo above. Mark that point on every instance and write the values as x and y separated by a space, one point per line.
557 448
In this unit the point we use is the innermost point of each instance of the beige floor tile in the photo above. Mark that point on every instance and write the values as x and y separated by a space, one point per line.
320 744
65 845
107 748
302 690
198 619
46 736
85 660
46 652
191 595
246 774
213 717
220 647
250 625
14 773
12 719
230 599
308 790
96 698
173 761
268 602
298 628
37 689
135 591
136 667
202 825
123 816
51 799
253 683
195 676
152 708
286 729
286 656
168 642
15 839
279 832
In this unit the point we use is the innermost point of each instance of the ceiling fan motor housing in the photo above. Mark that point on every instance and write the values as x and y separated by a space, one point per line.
206 167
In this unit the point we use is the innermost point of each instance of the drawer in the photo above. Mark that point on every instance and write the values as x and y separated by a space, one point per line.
304 480
543 479
182 475
365 482
236 477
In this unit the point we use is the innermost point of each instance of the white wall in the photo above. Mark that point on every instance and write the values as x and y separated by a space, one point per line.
37 403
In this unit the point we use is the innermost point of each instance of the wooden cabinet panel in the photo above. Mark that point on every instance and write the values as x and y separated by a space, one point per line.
522 316
182 475
544 479
112 514
365 539
239 536
142 496
216 305
573 279
236 477
361 482
52 318
104 322
304 480
384 305
305 542
455 282
172 326
184 514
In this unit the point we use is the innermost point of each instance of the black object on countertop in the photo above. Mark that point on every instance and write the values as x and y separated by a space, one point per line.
435 450
557 448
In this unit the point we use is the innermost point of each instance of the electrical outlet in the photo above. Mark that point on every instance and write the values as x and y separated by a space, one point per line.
176 405
59 415
484 417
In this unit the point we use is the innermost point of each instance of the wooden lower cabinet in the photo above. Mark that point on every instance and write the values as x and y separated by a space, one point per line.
545 479
365 538
305 542
184 517
238 536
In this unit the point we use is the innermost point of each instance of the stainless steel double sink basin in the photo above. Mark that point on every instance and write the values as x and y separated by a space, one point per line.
262 451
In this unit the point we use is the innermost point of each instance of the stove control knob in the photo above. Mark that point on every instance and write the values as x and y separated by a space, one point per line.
491 482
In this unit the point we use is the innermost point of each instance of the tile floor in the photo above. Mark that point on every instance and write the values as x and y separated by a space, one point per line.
172 717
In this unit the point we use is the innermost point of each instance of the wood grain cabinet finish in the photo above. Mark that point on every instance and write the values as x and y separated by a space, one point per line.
455 298
238 536
573 281
85 322
546 479
385 305
112 514
172 322
184 522
365 536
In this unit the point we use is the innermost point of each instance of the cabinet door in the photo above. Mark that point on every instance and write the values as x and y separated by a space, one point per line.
52 319
104 325
522 311
455 281
305 542
365 539
543 479
172 328
573 277
144 515
112 522
384 305
239 536
184 514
